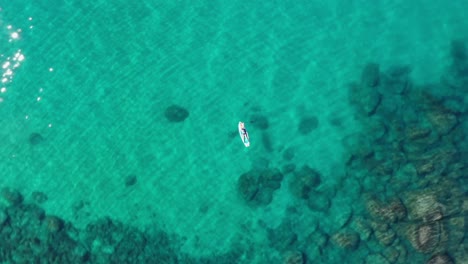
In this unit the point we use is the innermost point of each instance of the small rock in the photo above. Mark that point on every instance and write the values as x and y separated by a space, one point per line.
424 206
385 238
288 154
288 168
53 223
247 185
293 257
440 258
176 114
425 237
35 139
264 196
376 259
267 142
304 181
11 196
39 197
459 54
366 100
3 217
363 228
370 75
397 79
391 254
260 122
318 202
130 180
379 226
271 178
282 237
346 240
393 212
307 125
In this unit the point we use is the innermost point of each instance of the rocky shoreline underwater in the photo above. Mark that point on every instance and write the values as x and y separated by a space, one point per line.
407 171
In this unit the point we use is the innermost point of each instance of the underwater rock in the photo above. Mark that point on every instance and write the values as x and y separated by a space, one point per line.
35 139
3 217
391 254
28 236
11 196
264 196
247 185
385 238
456 227
282 237
424 237
379 226
346 240
390 213
440 258
362 228
130 180
370 76
39 197
307 125
377 126
293 257
365 100
267 142
288 154
318 201
288 168
443 121
256 187
304 181
376 258
424 206
402 253
416 132
396 79
459 55
176 114
271 178
259 121
53 223
316 241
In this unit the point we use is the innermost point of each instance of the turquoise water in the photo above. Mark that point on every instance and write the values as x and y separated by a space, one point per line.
85 89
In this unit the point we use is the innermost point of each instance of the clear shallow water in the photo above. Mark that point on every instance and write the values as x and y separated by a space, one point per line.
95 79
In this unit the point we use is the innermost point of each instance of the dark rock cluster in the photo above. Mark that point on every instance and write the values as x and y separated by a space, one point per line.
256 187
408 168
29 235
414 166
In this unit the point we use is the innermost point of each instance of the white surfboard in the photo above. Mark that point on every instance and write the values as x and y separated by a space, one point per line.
244 137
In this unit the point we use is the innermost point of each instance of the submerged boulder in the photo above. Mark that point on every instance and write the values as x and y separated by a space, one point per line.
35 139
365 99
260 122
424 237
247 185
304 181
293 257
318 201
370 76
307 125
346 240
256 187
176 114
440 258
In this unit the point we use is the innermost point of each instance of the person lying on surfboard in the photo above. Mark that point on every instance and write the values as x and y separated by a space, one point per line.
244 132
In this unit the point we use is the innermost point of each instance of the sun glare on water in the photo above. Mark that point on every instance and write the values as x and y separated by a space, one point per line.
10 62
